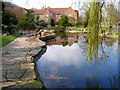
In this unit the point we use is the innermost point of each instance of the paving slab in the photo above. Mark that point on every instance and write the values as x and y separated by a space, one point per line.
17 66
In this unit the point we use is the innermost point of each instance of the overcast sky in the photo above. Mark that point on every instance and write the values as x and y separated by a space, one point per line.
52 3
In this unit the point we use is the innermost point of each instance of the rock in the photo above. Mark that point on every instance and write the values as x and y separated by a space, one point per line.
5 34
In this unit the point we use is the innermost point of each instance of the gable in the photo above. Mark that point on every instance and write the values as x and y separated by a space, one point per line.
70 11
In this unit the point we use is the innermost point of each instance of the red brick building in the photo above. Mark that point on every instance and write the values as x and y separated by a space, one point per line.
56 13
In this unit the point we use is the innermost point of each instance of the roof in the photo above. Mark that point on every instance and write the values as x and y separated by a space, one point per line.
56 11
76 11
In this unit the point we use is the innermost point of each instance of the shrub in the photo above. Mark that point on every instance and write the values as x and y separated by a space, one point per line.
64 20
40 27
57 28
26 23
42 23
69 24
75 23
52 23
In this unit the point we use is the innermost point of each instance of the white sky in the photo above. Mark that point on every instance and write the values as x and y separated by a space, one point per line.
52 3
39 3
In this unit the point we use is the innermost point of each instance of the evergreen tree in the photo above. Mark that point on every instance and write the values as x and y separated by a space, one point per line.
52 23
64 20
27 23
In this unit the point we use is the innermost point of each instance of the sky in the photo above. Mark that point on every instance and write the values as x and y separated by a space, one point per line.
38 4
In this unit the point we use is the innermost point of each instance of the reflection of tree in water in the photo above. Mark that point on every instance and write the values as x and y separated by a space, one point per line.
61 34
110 42
93 31
113 81
64 43
93 82
94 40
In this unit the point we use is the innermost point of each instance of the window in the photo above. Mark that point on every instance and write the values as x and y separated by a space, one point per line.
47 15
70 15
47 19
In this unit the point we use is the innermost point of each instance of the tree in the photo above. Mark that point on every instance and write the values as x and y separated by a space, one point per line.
93 31
52 23
8 19
27 23
112 15
64 20
42 23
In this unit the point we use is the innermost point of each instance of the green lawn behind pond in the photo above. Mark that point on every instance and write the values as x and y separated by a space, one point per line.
117 33
7 39
79 28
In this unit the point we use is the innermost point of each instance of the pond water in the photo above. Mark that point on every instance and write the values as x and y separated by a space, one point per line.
69 62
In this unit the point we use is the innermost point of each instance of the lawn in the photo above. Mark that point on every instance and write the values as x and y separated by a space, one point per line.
117 33
78 28
8 39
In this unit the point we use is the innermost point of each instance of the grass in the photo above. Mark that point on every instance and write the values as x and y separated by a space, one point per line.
56 28
33 84
78 28
117 33
8 39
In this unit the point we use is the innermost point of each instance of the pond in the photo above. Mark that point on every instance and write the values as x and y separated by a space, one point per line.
69 62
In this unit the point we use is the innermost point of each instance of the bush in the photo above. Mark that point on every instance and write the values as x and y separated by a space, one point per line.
42 23
52 23
69 24
40 27
57 28
76 24
64 20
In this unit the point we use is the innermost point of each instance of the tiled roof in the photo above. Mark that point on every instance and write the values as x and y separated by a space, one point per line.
52 10
56 11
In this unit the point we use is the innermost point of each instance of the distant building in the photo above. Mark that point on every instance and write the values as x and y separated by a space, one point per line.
48 13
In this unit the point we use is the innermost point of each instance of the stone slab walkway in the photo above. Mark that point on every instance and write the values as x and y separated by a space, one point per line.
17 66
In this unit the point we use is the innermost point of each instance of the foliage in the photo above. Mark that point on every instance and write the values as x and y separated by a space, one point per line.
86 18
64 43
40 27
8 39
93 31
37 17
27 23
7 18
64 20
69 24
42 23
57 28
52 23
112 15
117 33
76 24
79 28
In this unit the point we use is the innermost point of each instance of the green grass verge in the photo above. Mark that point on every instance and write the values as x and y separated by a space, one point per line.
117 33
75 28
56 28
8 39
34 84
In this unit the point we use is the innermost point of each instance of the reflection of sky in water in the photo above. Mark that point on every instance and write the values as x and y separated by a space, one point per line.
69 62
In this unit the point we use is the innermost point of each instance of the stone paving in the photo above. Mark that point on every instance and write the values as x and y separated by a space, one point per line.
17 65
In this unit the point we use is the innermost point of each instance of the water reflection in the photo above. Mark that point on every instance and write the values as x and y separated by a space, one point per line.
93 82
75 62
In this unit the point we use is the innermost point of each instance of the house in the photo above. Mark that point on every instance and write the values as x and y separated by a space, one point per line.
56 13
